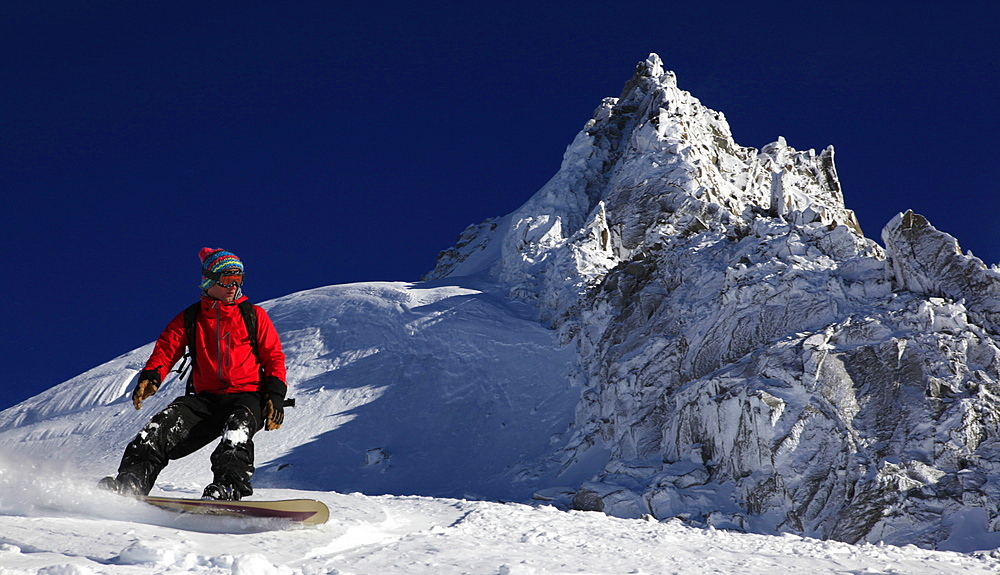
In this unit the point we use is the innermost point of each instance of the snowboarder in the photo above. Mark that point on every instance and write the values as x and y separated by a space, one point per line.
237 386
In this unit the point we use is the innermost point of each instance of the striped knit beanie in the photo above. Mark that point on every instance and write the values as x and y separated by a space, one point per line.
215 260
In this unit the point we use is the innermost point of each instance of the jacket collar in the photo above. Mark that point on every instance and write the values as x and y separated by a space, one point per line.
205 298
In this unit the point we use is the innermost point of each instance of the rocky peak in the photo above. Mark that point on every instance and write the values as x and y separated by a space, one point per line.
650 165
747 357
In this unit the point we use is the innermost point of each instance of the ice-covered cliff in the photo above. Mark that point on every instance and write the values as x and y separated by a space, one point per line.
747 357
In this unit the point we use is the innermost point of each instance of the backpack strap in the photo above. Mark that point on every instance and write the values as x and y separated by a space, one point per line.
190 318
250 319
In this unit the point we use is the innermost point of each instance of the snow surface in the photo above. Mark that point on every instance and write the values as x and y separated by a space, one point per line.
54 522
674 328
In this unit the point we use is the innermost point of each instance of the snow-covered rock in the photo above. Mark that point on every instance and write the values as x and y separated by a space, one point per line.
927 261
747 356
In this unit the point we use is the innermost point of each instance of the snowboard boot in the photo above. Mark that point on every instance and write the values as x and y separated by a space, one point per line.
123 484
221 492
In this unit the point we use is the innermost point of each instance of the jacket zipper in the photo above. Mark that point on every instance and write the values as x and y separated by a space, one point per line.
220 358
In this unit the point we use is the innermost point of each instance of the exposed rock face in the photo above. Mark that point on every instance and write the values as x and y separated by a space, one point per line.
927 261
747 357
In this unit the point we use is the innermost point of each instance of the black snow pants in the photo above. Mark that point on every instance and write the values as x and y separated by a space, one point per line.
190 423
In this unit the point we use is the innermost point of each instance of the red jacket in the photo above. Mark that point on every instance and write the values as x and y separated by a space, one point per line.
224 360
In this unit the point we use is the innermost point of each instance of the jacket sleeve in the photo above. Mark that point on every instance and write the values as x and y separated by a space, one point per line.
169 347
269 347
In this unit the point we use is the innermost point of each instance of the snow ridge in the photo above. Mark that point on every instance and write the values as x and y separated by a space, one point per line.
411 389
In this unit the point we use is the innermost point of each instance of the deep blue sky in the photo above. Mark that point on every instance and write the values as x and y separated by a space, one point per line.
335 142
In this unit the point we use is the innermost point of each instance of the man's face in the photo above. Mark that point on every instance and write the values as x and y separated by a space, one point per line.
227 287
223 294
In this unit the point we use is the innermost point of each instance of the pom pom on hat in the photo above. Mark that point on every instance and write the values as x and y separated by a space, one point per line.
215 260
205 252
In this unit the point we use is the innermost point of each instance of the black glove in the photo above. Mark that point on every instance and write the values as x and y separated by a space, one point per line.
274 403
149 382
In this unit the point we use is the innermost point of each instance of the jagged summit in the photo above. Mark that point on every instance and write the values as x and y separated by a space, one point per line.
650 164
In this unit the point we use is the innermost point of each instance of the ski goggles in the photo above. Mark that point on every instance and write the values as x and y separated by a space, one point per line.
230 280
227 279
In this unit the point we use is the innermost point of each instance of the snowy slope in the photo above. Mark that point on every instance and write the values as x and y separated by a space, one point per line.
53 520
429 389
60 524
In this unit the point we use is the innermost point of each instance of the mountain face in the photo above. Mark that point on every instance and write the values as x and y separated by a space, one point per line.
718 341
747 358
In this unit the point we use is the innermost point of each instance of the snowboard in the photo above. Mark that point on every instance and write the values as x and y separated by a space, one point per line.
305 511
